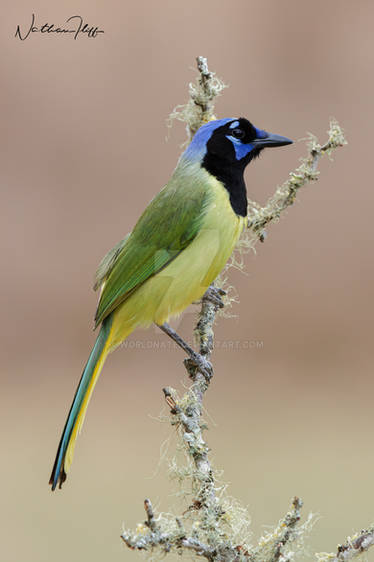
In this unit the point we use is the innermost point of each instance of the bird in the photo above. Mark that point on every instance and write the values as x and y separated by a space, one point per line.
177 248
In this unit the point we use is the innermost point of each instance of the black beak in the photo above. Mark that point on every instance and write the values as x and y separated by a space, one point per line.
271 141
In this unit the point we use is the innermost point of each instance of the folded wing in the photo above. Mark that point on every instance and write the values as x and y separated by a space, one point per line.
168 225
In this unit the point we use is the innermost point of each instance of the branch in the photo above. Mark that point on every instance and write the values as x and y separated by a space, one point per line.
284 196
200 107
271 547
352 548
214 526
186 415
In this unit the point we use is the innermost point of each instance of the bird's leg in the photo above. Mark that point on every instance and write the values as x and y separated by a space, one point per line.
197 360
214 295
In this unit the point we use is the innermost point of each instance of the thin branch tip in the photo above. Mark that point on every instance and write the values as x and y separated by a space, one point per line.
202 94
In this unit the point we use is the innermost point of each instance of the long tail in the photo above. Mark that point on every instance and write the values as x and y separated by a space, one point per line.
92 370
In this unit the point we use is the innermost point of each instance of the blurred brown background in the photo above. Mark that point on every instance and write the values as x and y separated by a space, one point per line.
82 151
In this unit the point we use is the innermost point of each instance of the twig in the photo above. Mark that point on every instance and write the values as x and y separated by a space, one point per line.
150 515
271 547
287 527
284 196
200 548
352 548
200 106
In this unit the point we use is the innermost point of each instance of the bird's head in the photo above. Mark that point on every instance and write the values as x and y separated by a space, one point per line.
226 143
224 148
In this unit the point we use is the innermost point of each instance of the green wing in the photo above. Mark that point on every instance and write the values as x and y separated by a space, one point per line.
169 223
107 263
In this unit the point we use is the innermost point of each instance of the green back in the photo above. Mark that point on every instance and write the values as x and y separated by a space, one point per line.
169 223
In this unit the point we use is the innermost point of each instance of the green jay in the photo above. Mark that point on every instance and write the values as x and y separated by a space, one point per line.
177 248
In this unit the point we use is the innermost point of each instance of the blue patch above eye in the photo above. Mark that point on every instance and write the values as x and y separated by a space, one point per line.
197 149
235 124
241 150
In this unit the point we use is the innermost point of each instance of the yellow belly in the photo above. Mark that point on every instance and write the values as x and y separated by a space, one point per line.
187 277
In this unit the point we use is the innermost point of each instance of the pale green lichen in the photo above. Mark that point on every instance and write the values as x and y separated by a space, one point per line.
285 541
354 547
200 106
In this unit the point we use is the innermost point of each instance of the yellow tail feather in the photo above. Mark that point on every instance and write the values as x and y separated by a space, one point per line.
82 412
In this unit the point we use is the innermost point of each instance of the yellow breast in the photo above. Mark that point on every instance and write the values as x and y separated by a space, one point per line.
188 276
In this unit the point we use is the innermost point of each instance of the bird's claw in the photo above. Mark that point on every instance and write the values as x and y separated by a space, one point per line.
198 362
214 295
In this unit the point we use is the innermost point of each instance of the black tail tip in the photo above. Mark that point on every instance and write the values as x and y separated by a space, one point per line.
57 479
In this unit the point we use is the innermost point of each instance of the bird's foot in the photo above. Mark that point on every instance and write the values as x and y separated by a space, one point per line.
197 362
214 295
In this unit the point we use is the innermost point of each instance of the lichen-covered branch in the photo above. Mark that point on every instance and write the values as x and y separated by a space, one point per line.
285 195
200 106
186 415
353 547
273 546
212 525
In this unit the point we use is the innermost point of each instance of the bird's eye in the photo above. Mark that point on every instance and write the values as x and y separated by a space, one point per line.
238 133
